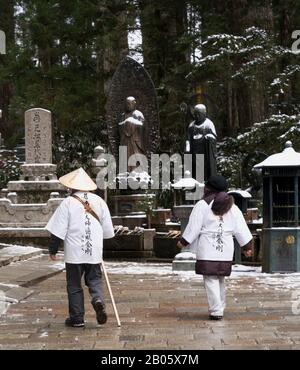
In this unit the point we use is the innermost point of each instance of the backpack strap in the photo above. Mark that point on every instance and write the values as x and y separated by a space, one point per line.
87 208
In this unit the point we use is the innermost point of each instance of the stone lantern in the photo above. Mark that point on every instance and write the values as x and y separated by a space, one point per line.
281 231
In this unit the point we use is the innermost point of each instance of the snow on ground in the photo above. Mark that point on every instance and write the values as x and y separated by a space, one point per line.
283 282
139 268
276 281
3 304
59 264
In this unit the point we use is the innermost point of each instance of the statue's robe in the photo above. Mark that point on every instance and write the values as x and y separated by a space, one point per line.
131 133
203 139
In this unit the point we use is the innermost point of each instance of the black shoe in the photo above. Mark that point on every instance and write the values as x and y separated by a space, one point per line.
213 317
99 307
74 323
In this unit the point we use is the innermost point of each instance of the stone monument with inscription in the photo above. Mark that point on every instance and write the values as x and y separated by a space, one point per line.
31 201
38 146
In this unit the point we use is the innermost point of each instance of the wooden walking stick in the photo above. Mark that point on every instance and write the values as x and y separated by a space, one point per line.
89 210
110 293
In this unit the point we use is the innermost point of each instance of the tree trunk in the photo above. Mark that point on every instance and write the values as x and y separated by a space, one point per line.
115 39
167 58
261 16
7 24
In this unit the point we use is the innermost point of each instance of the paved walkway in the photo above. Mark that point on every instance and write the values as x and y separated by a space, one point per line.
20 268
160 310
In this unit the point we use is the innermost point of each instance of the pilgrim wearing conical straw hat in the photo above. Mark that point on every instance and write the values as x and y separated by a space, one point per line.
78 180
81 221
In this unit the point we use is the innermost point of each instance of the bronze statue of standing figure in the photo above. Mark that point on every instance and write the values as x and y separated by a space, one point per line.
137 130
131 129
202 139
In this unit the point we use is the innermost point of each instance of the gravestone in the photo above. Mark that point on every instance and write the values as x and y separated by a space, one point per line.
38 178
38 136
31 201
38 146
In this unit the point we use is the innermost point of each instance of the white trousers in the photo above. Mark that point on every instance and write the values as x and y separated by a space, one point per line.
215 290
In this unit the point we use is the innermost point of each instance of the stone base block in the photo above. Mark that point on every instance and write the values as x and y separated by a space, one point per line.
29 192
183 265
184 261
38 172
26 215
34 237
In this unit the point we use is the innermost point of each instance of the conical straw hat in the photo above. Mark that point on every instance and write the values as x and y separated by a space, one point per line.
78 180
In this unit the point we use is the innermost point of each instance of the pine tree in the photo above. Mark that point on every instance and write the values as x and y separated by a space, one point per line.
66 52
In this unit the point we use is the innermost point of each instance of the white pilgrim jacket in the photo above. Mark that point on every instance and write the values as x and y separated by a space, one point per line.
211 236
82 233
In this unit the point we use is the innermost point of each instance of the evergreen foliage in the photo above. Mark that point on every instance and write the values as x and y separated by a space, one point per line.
234 56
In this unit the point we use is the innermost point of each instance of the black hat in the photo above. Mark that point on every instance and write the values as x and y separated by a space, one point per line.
217 182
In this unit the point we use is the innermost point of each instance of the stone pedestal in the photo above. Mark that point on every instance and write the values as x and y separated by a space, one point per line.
149 235
184 261
27 215
127 212
32 192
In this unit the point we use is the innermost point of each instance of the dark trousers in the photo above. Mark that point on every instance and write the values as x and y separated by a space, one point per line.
93 280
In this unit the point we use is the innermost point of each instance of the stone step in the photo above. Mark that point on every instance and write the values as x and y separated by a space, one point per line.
15 253
17 294
15 278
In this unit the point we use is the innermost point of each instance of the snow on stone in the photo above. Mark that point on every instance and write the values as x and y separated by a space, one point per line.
44 334
242 193
5 285
59 265
289 157
189 255
14 250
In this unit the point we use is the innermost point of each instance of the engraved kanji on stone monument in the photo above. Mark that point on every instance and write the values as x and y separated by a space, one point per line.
38 136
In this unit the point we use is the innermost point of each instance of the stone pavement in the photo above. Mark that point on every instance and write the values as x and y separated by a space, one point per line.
22 267
160 310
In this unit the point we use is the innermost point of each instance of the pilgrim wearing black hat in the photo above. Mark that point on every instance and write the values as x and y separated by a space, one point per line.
213 222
